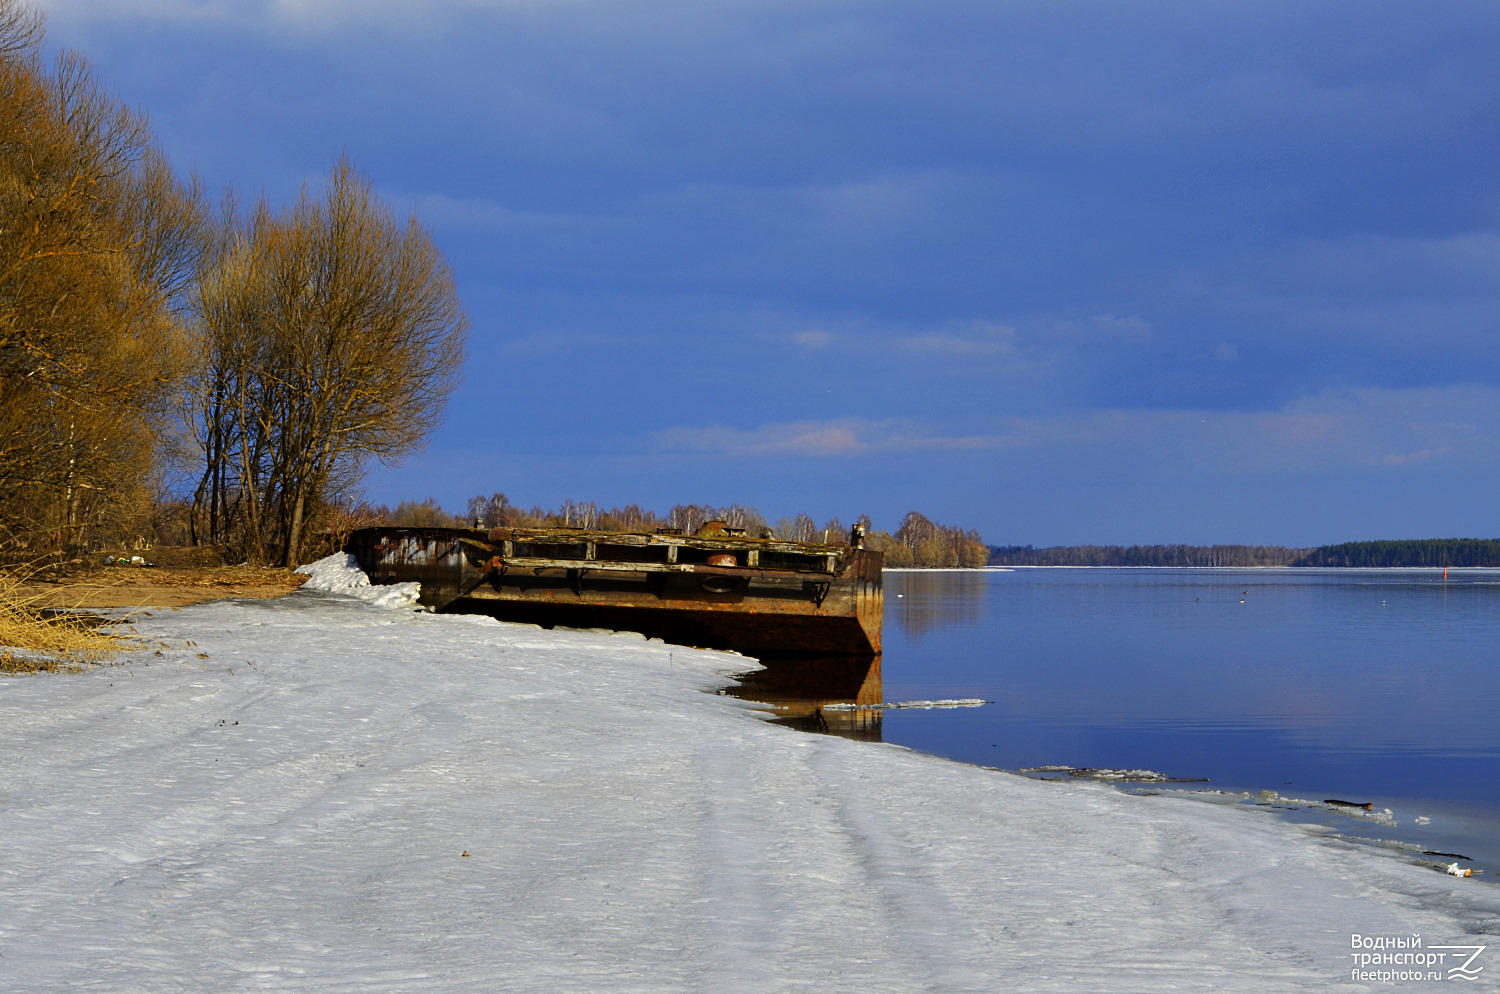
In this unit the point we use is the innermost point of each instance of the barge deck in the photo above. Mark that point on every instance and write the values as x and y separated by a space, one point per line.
714 589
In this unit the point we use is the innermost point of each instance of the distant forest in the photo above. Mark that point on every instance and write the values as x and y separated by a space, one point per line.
1429 552
1410 552
1145 555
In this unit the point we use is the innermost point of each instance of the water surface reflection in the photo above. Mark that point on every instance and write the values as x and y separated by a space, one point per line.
1373 685
799 687
926 600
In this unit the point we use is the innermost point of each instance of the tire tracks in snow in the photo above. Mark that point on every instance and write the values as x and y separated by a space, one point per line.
934 934
867 916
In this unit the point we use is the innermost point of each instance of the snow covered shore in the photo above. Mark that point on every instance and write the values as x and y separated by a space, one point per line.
293 812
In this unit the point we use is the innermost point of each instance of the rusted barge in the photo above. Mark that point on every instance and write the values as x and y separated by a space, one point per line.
715 589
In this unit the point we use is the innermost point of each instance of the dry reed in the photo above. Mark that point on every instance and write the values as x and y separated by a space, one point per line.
36 640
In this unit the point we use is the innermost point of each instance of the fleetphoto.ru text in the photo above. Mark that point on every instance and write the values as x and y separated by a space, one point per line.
1392 958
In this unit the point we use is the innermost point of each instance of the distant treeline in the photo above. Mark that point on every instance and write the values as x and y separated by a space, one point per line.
1145 555
1407 552
1431 552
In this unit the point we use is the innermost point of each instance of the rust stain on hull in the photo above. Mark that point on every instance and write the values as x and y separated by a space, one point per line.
756 596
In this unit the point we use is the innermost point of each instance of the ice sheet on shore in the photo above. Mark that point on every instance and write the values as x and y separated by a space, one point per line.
293 811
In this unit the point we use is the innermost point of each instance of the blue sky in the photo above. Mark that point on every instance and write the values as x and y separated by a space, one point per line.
1060 271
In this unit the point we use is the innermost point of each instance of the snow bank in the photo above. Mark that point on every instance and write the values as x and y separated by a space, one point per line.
340 574
343 800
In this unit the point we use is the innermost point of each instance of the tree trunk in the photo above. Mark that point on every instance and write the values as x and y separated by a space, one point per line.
294 532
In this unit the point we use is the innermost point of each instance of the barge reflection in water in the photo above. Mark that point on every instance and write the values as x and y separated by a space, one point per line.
798 688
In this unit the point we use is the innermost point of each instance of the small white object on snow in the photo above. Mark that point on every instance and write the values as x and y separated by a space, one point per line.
340 574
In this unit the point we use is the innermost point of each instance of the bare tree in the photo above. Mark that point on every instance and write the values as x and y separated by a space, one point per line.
834 532
334 335
20 29
97 238
800 528
926 543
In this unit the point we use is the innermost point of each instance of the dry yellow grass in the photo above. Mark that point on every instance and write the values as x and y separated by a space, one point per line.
131 587
43 621
36 640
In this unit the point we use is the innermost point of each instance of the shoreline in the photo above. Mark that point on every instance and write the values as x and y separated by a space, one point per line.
500 806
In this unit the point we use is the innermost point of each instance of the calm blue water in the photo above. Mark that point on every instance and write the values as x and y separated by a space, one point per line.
1363 685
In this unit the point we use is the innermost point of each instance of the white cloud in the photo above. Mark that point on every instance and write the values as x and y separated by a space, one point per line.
1129 329
980 339
812 339
401 17
560 341
1402 458
1357 260
303 16
1361 429
842 437
488 215
1031 346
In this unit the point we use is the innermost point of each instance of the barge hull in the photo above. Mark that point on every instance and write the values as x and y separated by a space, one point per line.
757 597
